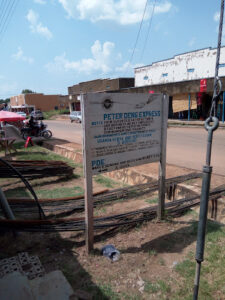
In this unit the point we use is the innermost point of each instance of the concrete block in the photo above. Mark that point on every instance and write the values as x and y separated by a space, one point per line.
53 286
15 286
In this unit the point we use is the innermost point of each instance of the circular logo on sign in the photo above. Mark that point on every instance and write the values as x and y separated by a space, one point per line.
107 103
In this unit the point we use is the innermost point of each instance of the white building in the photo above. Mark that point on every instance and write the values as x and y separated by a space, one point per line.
193 65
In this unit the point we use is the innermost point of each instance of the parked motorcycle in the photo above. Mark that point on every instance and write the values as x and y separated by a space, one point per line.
38 130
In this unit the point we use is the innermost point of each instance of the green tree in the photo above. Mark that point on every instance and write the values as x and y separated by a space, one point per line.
7 100
27 91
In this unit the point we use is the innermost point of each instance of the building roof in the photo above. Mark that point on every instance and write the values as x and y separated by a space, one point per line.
209 48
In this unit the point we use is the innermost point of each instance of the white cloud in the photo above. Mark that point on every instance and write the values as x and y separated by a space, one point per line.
20 56
102 60
36 26
216 16
40 1
192 42
123 12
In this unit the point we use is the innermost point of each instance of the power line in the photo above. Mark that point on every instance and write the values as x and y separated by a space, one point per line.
4 10
149 27
2 5
8 17
138 34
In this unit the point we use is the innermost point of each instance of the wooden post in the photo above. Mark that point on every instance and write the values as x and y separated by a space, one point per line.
89 223
162 162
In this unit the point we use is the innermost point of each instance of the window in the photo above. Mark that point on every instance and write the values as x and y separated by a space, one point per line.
221 65
190 70
108 86
146 77
164 74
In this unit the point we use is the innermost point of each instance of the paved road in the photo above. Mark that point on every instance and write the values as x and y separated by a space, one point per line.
186 147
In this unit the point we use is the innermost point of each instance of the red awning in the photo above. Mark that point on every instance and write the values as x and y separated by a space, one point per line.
7 116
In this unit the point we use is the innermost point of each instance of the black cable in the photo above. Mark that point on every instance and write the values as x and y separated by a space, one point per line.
149 27
8 18
2 8
4 11
28 186
139 31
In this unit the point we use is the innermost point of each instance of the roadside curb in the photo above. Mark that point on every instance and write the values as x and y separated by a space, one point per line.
192 124
132 176
65 151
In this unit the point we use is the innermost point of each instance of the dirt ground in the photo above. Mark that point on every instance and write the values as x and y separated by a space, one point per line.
149 252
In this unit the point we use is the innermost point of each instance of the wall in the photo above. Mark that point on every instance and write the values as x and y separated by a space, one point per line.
43 102
17 100
100 85
174 88
200 63
63 102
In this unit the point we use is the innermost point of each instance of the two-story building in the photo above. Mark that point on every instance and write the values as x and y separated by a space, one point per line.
187 78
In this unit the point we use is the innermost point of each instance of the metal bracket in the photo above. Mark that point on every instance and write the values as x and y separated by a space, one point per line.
215 124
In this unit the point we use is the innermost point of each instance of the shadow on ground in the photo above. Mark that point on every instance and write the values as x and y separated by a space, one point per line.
55 253
173 242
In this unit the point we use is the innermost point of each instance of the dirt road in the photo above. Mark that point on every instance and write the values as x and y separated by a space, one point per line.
186 147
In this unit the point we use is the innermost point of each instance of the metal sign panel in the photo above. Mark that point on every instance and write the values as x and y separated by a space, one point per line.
203 85
122 130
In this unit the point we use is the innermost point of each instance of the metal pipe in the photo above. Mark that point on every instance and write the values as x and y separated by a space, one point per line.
5 206
207 171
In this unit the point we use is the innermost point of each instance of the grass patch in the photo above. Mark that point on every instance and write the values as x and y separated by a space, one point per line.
151 288
99 211
102 292
17 193
42 193
152 252
190 212
152 201
159 286
108 292
212 271
61 192
49 114
39 153
105 181
163 286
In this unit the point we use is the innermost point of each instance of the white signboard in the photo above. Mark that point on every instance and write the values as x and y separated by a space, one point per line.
122 130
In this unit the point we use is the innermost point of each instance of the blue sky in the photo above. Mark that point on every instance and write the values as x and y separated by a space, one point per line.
48 45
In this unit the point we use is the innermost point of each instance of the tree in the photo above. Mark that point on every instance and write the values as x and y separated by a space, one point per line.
27 91
7 100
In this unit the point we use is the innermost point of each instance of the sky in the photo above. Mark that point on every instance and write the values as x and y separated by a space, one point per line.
49 45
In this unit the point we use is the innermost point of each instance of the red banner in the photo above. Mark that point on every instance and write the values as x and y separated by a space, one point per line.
151 92
203 85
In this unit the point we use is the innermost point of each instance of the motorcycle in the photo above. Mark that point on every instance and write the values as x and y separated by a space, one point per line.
36 131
